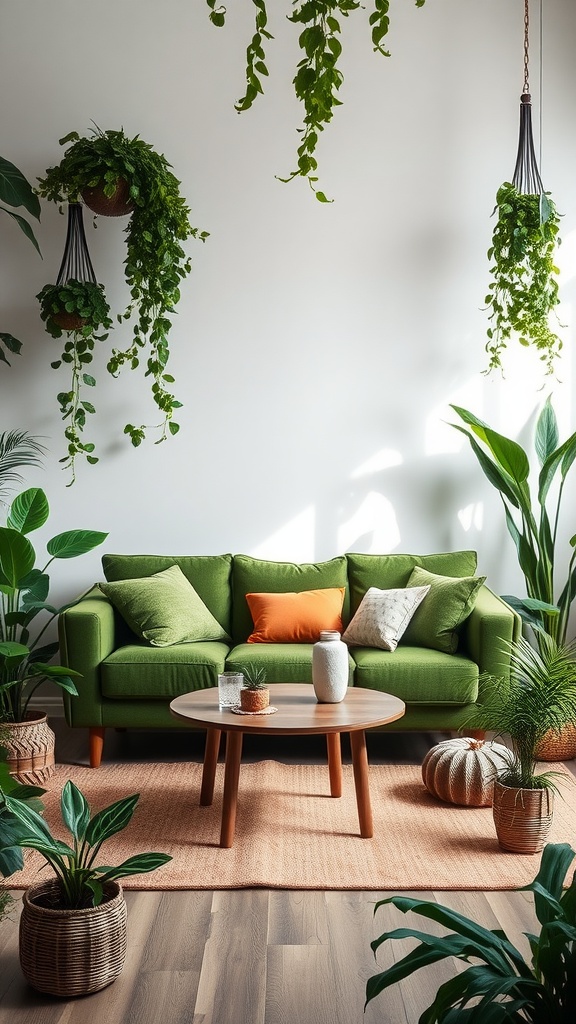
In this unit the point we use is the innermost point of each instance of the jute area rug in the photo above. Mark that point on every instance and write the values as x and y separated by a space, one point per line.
290 834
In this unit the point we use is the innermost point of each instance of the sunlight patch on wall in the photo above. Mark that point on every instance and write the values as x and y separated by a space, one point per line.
439 437
384 459
372 528
295 541
472 517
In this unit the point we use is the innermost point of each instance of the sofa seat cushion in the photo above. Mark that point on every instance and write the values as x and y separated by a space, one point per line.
284 663
141 672
417 675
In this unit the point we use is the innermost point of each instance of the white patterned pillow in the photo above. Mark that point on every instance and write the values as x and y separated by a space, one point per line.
382 617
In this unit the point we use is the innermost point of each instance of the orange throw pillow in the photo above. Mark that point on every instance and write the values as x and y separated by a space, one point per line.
295 618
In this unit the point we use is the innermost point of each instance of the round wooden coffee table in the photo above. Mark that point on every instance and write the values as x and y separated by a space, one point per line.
299 714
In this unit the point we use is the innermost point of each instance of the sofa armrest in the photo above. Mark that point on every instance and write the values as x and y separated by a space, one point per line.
87 634
492 624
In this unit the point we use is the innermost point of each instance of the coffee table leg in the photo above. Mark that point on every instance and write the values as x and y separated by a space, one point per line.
360 764
334 762
230 799
209 771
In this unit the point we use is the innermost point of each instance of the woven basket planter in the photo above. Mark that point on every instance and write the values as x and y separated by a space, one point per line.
462 770
118 204
68 321
558 746
254 700
30 746
71 953
522 817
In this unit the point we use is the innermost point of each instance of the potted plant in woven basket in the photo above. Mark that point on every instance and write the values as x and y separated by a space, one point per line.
540 696
25 660
254 695
73 926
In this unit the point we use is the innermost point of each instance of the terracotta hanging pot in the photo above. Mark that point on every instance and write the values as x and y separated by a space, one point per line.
71 953
30 746
522 817
118 204
68 321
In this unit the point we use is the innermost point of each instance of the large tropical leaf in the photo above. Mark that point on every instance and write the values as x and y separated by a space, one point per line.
74 542
494 473
16 190
110 820
141 863
17 557
75 810
29 511
563 456
546 435
23 225
554 863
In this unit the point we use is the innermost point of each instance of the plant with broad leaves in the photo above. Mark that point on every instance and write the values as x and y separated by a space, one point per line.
80 310
81 881
533 526
11 828
16 191
318 76
523 292
496 985
155 263
23 596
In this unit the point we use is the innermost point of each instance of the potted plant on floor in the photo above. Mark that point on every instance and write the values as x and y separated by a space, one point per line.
496 984
540 696
73 926
254 694
25 662
101 168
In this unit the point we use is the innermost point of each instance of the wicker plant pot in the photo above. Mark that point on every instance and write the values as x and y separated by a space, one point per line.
30 746
71 952
522 817
254 700
558 746
462 770
118 204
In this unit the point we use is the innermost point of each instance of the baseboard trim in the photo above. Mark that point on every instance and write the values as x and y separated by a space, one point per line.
51 704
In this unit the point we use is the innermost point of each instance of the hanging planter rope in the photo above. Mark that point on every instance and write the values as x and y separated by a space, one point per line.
523 292
76 306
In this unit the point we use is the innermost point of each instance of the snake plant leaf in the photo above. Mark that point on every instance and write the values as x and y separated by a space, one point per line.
74 542
75 810
17 557
29 511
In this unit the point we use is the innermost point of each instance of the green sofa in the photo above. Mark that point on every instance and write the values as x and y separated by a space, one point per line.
126 682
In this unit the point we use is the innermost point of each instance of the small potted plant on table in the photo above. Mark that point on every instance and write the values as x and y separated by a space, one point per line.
254 695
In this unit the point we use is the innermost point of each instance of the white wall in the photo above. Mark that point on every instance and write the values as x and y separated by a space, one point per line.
316 348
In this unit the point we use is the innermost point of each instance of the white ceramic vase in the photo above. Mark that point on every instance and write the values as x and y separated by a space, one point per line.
330 668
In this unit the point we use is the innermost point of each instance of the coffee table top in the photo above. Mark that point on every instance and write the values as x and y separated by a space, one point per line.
298 711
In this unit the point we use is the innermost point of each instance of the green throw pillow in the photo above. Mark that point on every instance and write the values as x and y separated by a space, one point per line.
447 605
164 609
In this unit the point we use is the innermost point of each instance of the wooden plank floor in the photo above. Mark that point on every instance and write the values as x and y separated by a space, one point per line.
250 956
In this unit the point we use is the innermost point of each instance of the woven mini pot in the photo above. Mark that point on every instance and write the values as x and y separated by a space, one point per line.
30 746
254 700
71 953
462 770
522 817
558 746
118 204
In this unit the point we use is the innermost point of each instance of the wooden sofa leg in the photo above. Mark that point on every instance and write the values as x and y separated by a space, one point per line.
96 741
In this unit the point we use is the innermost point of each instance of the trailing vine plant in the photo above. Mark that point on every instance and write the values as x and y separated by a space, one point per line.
523 292
318 76
155 264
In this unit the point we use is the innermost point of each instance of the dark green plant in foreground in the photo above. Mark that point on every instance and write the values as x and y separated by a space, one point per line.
318 76
81 880
156 262
523 292
16 191
497 985
533 520
539 697
85 303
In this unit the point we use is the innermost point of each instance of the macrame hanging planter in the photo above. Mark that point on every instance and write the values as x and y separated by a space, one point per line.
523 292
76 265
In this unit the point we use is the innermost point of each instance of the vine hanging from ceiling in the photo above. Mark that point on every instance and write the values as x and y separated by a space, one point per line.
318 74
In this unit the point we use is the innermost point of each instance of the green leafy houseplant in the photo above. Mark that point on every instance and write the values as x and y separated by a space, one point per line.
79 309
17 448
523 292
81 881
318 77
540 696
24 663
156 262
496 984
11 828
533 520
254 677
16 191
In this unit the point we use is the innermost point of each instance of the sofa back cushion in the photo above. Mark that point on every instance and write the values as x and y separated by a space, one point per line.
389 572
208 574
258 575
